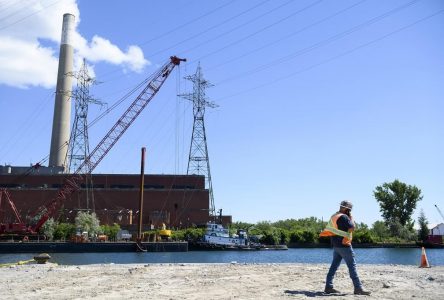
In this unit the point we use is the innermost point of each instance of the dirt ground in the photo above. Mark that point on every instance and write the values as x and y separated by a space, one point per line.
214 281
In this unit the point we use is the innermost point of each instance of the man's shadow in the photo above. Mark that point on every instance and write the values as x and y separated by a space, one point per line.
312 294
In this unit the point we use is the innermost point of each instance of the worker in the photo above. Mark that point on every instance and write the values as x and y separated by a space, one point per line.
339 229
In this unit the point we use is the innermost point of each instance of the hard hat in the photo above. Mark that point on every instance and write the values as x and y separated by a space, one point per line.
346 204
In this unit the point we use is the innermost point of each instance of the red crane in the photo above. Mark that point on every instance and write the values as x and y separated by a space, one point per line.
17 226
72 182
440 213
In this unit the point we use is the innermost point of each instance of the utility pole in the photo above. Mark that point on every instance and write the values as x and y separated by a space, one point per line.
198 160
78 149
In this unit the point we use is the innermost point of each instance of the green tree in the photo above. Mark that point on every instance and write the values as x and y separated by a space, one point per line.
423 227
271 237
88 222
110 230
363 236
397 202
296 236
48 228
380 230
64 231
309 236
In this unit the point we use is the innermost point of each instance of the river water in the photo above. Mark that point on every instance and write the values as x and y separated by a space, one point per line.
363 256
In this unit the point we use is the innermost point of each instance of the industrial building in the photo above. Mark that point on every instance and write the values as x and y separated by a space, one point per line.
176 200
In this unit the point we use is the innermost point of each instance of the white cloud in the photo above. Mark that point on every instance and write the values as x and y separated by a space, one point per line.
30 33
100 49
24 63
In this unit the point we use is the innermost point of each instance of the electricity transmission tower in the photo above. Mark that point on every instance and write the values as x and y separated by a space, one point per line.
198 160
78 148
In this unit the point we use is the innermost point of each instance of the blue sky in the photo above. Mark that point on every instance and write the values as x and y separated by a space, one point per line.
319 101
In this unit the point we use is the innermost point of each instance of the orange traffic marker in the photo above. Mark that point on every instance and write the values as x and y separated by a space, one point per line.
424 261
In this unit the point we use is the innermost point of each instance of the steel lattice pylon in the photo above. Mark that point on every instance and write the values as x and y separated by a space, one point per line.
78 148
198 160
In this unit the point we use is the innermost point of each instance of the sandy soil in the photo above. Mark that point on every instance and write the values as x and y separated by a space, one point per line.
214 281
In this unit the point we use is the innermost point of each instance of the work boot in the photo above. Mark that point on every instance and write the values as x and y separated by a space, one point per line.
361 291
330 290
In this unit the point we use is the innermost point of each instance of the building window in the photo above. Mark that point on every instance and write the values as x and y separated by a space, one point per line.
184 187
153 186
94 186
122 186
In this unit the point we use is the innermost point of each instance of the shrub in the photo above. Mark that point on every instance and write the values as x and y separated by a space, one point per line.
88 222
110 231
64 231
270 238
296 236
309 236
48 228
284 236
363 236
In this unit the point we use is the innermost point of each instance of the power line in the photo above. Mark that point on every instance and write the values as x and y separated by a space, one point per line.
30 15
211 28
320 44
217 25
188 23
238 27
335 57
288 36
180 27
258 31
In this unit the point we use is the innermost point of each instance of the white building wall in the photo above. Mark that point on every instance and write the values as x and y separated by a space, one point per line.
437 230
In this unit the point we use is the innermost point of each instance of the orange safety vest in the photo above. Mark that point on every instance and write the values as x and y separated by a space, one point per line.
332 230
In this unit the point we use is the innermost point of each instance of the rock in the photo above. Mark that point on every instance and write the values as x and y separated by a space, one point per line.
42 258
385 285
430 278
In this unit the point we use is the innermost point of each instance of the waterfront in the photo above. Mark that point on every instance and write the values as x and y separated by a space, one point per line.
398 256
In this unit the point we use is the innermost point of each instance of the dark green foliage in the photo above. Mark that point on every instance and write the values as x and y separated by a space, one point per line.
178 235
309 236
188 234
361 226
284 236
380 231
300 224
241 225
64 231
270 237
423 227
397 202
110 230
296 236
402 233
363 236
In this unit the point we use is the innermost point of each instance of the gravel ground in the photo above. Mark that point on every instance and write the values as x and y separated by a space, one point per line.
214 281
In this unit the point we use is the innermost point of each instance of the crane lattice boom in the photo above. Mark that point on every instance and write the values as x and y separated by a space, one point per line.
72 182
440 212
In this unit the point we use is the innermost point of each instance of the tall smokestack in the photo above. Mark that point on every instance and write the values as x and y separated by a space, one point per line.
62 106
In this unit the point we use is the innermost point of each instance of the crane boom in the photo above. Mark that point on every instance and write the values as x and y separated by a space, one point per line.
72 182
11 204
442 216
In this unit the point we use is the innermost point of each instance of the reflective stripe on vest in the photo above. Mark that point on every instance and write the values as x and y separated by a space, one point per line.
332 226
332 230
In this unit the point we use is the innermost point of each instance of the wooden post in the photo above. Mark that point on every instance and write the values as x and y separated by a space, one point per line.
142 177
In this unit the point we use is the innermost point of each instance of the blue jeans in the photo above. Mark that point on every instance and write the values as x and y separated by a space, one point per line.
348 255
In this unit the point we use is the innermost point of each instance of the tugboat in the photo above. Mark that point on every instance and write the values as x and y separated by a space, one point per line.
218 238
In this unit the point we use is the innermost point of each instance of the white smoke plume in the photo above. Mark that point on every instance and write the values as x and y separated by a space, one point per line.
30 32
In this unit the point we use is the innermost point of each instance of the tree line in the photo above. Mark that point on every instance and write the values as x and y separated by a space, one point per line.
397 202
